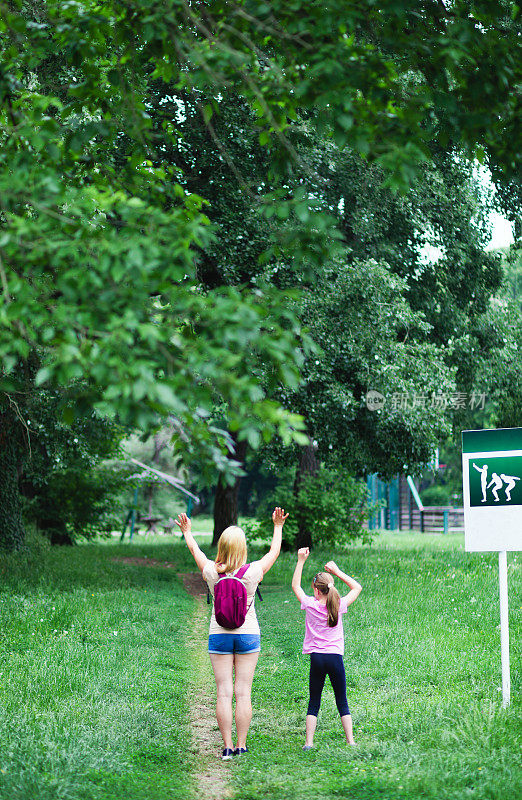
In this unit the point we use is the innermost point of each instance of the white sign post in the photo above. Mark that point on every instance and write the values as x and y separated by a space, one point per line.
492 483
504 627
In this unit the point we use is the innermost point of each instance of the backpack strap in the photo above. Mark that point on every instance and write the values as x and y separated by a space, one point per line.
241 571
239 574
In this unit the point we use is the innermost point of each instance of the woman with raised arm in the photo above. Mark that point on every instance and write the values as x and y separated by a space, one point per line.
234 641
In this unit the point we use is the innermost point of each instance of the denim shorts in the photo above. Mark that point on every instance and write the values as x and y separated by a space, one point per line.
234 643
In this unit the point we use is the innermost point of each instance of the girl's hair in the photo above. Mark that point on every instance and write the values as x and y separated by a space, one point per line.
232 549
323 582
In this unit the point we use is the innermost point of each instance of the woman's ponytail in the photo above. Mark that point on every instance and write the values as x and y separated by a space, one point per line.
324 583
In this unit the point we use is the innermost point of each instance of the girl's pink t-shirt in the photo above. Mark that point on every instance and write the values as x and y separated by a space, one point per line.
319 638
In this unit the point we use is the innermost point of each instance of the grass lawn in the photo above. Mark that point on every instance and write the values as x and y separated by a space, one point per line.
95 675
93 668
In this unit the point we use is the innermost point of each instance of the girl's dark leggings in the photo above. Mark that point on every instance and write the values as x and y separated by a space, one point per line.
321 665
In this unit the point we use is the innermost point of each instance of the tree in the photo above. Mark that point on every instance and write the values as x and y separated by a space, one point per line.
11 442
446 206
404 336
79 223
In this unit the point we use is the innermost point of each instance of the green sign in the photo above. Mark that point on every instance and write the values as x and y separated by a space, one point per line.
492 440
495 481
492 489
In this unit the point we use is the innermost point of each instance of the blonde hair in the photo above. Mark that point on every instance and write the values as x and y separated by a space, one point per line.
323 582
232 549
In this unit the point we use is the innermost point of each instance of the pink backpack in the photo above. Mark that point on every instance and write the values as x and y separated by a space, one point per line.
230 600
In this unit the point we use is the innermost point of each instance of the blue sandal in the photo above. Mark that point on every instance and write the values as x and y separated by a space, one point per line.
240 750
227 754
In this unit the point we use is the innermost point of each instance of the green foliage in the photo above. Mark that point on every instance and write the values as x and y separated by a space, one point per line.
163 499
180 359
332 504
106 217
492 351
391 315
70 493
99 256
436 496
78 501
444 486
370 338
512 265
105 237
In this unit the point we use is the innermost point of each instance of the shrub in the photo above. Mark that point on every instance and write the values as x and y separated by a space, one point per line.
436 496
332 505
78 502
70 490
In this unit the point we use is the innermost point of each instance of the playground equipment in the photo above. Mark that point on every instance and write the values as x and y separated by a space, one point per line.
133 510
402 508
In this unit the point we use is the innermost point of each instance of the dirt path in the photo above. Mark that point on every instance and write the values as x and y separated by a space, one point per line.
212 776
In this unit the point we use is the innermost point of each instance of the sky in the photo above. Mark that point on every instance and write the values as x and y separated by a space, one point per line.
501 232
501 228
501 236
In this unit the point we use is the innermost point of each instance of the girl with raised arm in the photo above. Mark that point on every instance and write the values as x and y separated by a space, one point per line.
234 651
324 639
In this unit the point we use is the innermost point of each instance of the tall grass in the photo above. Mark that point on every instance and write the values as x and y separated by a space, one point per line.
423 674
95 673
92 684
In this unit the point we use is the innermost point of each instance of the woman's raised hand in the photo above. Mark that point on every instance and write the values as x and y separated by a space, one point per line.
279 516
303 553
184 523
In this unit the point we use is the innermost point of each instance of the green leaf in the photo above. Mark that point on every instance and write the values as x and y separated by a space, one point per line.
43 375
302 212
114 77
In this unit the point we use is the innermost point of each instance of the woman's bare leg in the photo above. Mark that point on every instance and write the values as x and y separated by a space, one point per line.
245 664
222 664
346 721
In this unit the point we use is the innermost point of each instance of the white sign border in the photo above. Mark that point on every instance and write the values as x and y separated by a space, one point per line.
504 523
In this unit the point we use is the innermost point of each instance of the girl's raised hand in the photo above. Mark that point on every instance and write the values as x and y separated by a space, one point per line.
184 523
332 567
279 516
303 553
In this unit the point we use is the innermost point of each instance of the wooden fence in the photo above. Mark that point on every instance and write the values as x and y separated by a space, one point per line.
434 519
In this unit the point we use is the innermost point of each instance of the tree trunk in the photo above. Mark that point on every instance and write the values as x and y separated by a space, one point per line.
308 465
225 503
159 445
12 534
